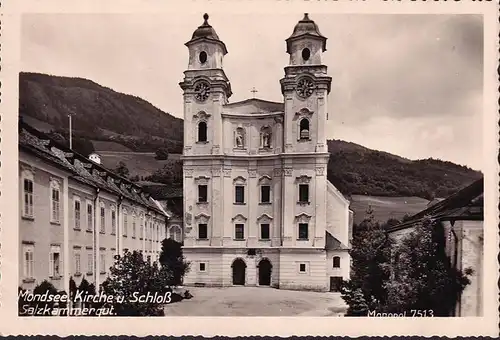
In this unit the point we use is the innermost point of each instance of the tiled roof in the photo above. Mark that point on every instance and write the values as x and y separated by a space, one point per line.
466 204
162 191
81 168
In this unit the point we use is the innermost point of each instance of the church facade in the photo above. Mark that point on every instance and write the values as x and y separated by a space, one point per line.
258 208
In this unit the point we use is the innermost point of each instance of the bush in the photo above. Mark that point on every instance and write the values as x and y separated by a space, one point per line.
132 274
162 154
424 278
173 262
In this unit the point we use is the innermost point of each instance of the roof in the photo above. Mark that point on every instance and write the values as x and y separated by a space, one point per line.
465 204
81 168
162 191
332 243
305 27
206 32
255 105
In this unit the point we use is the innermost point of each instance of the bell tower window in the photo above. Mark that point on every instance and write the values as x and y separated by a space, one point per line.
306 54
202 131
304 129
203 57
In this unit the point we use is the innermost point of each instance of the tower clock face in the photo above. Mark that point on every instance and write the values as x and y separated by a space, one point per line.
201 91
305 87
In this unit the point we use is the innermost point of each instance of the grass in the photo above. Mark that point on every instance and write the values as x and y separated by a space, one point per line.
385 208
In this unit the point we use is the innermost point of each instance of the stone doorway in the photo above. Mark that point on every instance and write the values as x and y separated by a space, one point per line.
265 268
239 271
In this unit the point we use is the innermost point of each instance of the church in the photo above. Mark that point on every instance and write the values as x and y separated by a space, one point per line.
258 208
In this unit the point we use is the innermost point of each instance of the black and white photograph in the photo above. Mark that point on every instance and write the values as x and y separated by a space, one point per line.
302 163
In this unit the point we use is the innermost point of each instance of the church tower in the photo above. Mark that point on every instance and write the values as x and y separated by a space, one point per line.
206 89
305 88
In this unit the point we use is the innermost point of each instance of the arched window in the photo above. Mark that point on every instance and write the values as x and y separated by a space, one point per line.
175 233
336 262
202 131
304 128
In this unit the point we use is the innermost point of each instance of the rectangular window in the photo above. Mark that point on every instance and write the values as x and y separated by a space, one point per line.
125 224
55 262
29 263
133 226
264 231
202 193
303 192
28 198
103 220
113 222
202 231
141 231
239 231
78 214
202 267
303 231
302 267
90 263
78 264
102 262
239 193
55 203
90 217
265 194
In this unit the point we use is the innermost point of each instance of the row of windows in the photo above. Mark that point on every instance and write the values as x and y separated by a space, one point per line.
265 233
55 211
265 193
265 134
203 266
55 262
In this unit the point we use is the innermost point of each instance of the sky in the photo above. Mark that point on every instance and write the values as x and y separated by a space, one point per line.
408 84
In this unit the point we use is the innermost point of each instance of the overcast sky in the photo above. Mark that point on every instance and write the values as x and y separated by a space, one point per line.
406 84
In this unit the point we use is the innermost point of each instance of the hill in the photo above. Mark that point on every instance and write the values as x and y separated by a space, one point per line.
354 169
126 128
99 113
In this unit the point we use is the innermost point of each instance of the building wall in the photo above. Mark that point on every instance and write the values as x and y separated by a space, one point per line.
471 257
42 235
38 232
345 264
315 277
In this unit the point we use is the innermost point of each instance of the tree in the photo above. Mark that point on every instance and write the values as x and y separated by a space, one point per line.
173 262
162 154
370 254
121 169
358 305
424 278
131 274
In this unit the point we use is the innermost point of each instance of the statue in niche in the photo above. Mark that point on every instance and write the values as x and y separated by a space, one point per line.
240 138
266 137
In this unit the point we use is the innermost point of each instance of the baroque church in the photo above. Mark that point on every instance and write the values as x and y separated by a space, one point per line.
258 208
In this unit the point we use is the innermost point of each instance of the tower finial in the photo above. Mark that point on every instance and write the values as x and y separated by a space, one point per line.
306 17
205 17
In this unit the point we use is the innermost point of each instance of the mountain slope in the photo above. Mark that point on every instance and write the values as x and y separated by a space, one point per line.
101 114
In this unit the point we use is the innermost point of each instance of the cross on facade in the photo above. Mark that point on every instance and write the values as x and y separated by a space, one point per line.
254 91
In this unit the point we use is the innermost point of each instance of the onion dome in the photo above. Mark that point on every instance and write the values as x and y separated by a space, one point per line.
206 32
305 28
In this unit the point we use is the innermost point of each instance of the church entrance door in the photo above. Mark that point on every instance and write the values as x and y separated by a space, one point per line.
239 268
335 283
265 272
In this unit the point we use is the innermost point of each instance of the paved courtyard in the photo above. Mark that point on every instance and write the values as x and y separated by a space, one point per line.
256 301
